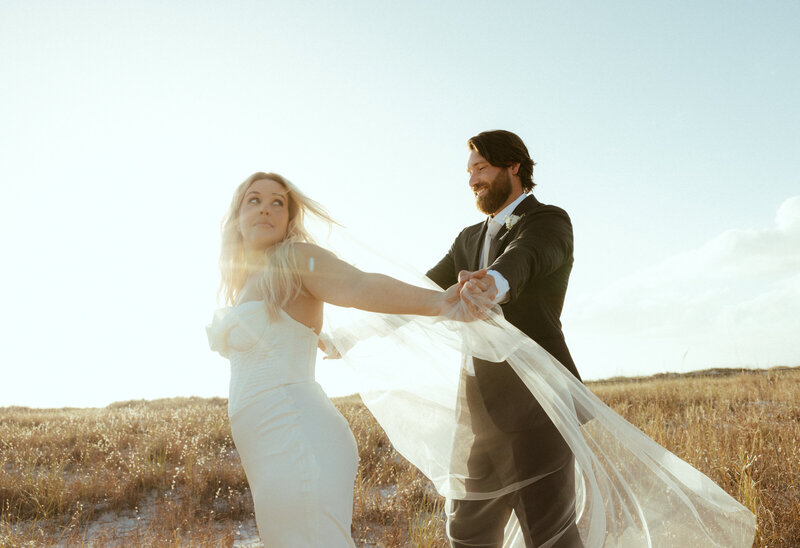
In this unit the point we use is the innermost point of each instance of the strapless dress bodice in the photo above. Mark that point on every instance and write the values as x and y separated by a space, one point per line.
264 353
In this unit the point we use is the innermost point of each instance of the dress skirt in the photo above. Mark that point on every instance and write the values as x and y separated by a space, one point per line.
300 459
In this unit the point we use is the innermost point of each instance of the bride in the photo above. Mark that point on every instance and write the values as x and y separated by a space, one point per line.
297 450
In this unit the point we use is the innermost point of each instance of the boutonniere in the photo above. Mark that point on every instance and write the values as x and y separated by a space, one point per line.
511 220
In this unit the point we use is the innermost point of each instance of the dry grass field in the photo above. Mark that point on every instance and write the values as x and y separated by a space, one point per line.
166 473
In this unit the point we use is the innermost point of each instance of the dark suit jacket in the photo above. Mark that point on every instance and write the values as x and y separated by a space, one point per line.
535 257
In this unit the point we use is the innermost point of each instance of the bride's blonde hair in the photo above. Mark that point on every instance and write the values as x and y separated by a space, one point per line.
280 283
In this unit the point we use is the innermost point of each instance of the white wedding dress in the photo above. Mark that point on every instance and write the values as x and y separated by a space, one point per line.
297 450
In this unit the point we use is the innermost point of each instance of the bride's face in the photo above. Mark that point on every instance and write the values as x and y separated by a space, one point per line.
264 214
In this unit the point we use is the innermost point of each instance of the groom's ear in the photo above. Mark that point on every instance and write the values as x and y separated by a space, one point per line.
515 168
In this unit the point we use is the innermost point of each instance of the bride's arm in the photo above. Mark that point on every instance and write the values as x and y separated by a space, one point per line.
334 281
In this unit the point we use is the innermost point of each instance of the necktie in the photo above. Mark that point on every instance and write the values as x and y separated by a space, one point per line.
491 232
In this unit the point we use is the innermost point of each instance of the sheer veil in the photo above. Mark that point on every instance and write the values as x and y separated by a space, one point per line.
630 491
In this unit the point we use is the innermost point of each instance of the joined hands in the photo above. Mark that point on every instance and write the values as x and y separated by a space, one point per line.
472 297
478 291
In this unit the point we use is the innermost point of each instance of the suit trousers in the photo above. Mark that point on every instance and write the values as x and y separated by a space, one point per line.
544 508
541 508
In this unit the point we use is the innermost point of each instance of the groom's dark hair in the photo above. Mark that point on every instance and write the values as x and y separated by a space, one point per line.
502 148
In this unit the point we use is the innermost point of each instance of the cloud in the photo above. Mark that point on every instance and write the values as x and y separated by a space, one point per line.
731 302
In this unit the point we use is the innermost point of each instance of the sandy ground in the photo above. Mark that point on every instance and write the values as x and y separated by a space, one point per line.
123 529
111 528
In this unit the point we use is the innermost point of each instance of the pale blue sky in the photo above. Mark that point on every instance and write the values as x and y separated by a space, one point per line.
662 128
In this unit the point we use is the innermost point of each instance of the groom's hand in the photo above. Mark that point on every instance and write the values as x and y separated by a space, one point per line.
478 283
466 275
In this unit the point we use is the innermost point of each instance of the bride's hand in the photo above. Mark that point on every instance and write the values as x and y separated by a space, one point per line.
330 351
332 354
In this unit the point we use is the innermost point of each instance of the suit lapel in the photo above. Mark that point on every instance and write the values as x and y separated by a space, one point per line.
474 244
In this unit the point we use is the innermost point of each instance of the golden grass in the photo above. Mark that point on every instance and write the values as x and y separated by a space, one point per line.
166 473
740 428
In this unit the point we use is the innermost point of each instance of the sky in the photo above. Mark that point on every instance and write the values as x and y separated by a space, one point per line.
667 131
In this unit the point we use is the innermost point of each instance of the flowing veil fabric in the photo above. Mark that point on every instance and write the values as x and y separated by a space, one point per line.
630 491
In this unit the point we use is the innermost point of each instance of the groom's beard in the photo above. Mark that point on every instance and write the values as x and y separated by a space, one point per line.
496 195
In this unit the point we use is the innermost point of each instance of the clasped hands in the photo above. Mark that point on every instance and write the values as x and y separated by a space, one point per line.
478 291
472 297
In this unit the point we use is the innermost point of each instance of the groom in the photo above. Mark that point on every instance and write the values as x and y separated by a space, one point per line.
527 248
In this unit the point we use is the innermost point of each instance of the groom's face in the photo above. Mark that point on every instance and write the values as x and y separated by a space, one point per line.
490 184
